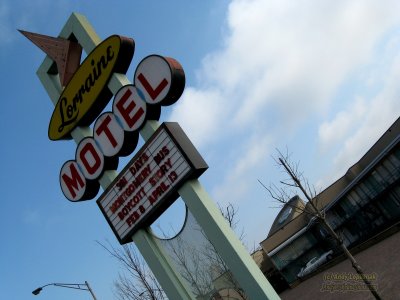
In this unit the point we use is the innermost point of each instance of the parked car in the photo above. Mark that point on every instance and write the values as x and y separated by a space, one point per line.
315 263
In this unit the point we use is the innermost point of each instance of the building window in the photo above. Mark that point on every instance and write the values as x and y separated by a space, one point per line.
384 205
394 195
294 250
342 210
354 197
391 169
397 154
333 218
395 160
352 201
382 174
373 215
373 185
348 208
348 237
362 191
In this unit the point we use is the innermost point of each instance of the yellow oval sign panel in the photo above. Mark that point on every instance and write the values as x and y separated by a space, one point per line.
86 95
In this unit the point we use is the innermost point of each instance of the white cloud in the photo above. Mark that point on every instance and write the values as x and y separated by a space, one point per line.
382 112
199 110
330 133
290 56
242 174
283 64
359 126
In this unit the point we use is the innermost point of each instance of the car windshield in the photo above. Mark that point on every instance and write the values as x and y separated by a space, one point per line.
312 261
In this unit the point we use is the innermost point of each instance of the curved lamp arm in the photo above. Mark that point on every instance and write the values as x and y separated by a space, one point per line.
78 286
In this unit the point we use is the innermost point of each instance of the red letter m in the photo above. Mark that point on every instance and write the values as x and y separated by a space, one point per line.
73 181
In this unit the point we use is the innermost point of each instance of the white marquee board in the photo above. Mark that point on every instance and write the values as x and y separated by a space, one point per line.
148 184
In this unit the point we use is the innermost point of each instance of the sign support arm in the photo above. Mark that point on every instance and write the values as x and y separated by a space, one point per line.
217 230
159 263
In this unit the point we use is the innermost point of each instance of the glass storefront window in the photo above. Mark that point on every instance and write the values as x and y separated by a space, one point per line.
351 200
349 238
395 195
396 163
391 169
362 192
397 153
294 250
395 160
373 186
354 197
381 171
349 206
384 209
333 219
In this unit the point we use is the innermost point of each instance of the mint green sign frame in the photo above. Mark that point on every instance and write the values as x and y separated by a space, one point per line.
245 270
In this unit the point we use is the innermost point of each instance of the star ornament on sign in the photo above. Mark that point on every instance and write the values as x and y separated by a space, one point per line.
81 91
65 53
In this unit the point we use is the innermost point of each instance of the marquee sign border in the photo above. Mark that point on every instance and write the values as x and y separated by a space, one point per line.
189 153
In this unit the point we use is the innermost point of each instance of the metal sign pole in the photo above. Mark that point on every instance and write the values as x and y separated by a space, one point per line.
228 246
217 230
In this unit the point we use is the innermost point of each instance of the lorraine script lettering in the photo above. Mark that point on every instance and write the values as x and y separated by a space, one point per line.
69 110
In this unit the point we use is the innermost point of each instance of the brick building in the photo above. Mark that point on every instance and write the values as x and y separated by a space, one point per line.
363 206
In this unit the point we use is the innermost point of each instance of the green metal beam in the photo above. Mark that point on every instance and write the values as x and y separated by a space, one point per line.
228 246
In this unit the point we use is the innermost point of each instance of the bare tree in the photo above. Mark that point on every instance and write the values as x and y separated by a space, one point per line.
196 264
229 212
298 181
201 265
137 282
192 266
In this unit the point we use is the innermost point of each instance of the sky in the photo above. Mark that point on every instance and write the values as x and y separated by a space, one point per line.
319 78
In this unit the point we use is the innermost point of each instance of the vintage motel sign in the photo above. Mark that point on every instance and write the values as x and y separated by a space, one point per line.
166 166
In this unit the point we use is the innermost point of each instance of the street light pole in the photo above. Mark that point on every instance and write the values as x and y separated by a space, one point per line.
77 286
90 290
